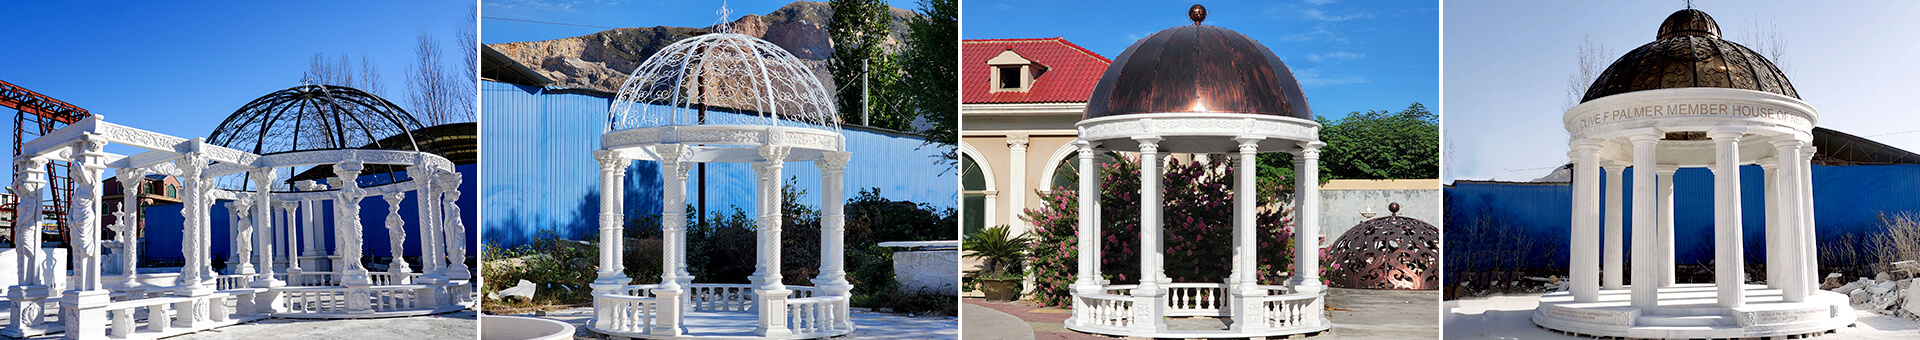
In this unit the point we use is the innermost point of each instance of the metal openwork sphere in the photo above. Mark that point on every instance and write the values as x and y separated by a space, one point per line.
723 72
1392 252
314 118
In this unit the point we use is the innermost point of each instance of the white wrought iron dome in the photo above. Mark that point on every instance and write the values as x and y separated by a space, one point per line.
317 118
723 72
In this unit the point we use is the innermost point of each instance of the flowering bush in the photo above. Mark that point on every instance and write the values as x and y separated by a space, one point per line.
1197 221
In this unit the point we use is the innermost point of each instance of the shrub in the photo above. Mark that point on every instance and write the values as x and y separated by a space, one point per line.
1197 221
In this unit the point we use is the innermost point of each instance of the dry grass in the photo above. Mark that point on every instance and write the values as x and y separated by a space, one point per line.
1900 241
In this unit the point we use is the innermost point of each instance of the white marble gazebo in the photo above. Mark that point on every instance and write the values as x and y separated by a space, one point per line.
1198 93
274 203
1691 99
768 109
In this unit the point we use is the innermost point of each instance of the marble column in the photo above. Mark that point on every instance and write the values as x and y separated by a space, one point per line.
31 292
1016 182
1613 246
1790 267
771 292
291 228
1645 293
432 248
1307 260
196 204
127 224
673 220
84 215
396 236
316 250
455 235
1808 238
1664 218
833 224
1147 304
613 171
241 260
346 223
1729 260
1246 293
1585 251
1771 202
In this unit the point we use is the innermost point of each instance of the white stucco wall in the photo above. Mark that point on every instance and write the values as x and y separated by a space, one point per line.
1340 208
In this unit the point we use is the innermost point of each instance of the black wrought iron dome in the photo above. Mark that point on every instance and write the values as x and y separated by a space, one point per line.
1198 68
315 118
1393 252
1690 53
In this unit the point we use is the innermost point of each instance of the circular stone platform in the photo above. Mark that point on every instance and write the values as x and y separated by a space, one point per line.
1689 311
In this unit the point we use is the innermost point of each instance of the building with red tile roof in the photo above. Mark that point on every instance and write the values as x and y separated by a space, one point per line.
1019 101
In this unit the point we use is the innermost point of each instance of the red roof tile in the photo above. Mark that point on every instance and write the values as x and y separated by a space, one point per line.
1072 71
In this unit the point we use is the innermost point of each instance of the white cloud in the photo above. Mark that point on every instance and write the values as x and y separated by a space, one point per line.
1318 2
1311 77
1334 56
1316 14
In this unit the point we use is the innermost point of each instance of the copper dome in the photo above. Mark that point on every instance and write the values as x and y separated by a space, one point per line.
1197 68
1690 53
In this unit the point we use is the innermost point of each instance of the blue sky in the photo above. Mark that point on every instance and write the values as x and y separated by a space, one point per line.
180 68
611 13
1508 62
1348 55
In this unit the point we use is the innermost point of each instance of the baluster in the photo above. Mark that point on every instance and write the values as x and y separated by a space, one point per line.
122 322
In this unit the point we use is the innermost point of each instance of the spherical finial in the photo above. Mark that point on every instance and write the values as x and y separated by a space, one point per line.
1198 13
1394 208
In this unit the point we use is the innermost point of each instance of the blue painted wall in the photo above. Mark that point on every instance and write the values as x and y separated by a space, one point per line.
541 175
1847 199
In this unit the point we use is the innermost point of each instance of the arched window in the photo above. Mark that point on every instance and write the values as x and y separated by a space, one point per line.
1067 173
973 188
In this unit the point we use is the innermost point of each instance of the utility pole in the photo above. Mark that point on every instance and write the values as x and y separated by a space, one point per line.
866 110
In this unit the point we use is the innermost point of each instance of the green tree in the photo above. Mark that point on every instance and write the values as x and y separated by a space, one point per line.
1375 144
927 64
859 31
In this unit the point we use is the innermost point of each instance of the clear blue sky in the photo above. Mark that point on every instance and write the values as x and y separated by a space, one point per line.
1508 62
611 13
1348 55
180 68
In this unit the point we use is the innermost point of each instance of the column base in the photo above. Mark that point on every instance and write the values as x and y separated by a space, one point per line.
84 312
28 317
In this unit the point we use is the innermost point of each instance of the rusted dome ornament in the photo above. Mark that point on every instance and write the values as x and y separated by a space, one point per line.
1198 89
1392 252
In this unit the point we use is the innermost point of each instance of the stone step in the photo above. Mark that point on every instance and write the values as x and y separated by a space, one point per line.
1681 321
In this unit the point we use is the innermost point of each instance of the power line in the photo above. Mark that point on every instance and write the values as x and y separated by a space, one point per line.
544 22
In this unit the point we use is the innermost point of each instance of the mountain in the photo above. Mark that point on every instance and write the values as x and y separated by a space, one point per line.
602 60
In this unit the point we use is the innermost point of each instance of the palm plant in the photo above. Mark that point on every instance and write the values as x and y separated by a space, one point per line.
1002 254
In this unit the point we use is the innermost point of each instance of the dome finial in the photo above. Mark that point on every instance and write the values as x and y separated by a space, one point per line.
723 26
1198 13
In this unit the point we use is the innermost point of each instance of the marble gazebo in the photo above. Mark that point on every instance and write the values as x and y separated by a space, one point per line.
1198 89
277 161
1691 99
777 112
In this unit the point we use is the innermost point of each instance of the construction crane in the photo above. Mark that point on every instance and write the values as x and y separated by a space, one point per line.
37 116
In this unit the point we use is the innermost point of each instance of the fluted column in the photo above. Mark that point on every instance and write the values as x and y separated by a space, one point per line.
1645 270
1770 201
310 226
291 228
1146 302
127 225
1787 268
613 170
263 224
1664 217
1585 251
1017 182
673 220
1307 260
766 278
1084 281
1729 262
833 223
1808 238
1246 295
1613 245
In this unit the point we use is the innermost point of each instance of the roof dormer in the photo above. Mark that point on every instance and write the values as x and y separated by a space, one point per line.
1012 72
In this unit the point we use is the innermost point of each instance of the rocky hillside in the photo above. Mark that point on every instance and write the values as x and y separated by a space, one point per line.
601 61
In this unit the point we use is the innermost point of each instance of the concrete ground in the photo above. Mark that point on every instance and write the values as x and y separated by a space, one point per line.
867 325
1510 317
1356 314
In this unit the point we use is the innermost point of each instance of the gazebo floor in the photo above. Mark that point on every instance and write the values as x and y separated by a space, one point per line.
1692 311
719 325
